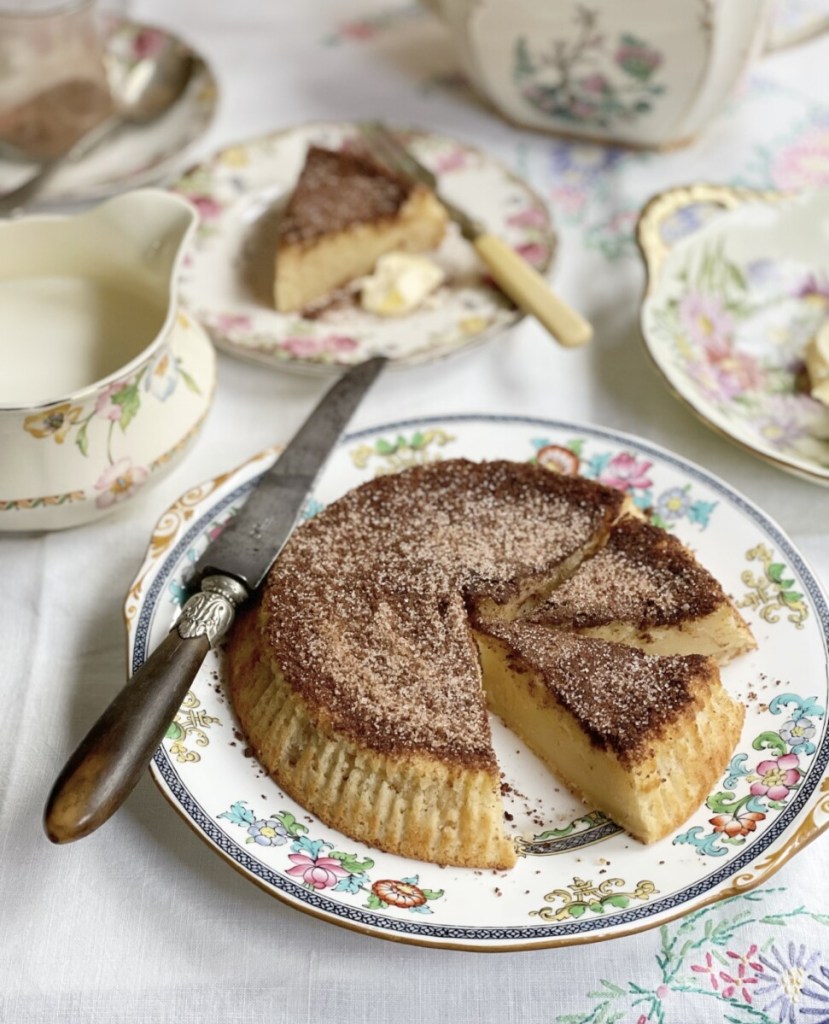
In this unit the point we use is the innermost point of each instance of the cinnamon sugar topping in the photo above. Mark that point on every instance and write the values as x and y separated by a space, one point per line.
643 576
365 606
337 189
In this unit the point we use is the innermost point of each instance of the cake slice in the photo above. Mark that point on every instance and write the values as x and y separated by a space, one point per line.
345 212
645 588
641 737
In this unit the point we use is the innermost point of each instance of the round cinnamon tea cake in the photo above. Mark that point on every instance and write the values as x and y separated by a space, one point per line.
361 674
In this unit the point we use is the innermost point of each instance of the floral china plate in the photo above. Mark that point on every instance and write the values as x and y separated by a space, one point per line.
578 877
137 155
738 283
227 282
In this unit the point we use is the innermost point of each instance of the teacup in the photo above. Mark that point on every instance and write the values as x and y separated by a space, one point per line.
104 382
631 72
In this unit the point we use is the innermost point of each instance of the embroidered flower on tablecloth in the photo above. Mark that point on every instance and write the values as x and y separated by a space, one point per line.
786 982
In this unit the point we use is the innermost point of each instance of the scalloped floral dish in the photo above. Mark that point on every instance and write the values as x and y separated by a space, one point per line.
578 877
137 155
227 282
738 285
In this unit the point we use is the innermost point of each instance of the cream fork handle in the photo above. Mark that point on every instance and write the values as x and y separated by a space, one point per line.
530 292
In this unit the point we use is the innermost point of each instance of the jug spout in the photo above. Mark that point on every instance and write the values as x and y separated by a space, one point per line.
148 227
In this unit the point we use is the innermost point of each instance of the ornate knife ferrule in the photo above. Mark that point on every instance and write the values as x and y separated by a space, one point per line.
210 613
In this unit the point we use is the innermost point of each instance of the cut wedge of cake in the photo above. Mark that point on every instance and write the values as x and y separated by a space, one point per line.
647 589
641 737
345 212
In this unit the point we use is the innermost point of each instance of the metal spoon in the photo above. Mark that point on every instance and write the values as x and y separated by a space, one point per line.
150 88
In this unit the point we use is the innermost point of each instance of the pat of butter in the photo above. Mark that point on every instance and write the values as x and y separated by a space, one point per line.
399 284
817 364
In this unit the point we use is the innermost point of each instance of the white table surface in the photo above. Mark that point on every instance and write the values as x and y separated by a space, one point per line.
142 921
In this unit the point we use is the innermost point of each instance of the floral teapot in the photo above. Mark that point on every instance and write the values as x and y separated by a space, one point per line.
633 72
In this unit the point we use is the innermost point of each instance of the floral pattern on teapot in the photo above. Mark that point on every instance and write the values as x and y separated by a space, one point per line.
590 78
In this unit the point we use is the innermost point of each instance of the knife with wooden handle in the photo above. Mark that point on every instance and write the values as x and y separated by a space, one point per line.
510 271
102 772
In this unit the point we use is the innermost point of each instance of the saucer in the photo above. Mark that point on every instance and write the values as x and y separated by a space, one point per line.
738 285
227 280
137 155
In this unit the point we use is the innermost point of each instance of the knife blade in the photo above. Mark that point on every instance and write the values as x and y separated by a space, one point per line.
110 759
511 272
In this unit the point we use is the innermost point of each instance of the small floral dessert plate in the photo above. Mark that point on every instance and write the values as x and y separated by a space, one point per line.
227 282
137 155
738 285
578 877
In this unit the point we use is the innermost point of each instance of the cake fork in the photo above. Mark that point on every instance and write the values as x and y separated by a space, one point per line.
510 271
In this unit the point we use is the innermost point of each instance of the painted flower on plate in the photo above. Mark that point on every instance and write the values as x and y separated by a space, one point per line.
207 206
533 252
305 346
816 290
797 732
399 893
741 823
673 503
454 160
558 458
529 217
119 482
778 776
316 872
625 472
268 832
706 320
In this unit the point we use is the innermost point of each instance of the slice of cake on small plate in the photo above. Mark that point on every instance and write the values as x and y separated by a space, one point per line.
346 211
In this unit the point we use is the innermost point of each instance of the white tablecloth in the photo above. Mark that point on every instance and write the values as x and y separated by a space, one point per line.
142 921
